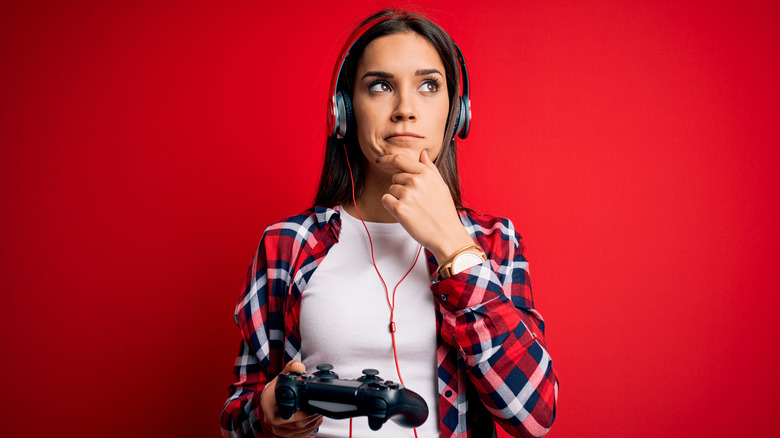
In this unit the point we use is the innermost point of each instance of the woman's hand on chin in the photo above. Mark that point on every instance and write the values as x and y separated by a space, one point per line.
421 202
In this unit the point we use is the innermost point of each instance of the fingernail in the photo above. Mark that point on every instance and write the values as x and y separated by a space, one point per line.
379 159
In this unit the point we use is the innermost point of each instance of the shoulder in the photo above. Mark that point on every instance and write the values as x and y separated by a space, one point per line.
302 225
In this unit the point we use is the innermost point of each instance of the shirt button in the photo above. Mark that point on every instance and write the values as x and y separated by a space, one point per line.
443 297
448 393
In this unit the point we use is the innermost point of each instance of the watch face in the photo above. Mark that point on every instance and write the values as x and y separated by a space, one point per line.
465 261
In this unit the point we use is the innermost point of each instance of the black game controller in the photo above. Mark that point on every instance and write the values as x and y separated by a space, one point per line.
324 393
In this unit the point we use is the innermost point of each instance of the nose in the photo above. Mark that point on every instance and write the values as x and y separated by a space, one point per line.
404 107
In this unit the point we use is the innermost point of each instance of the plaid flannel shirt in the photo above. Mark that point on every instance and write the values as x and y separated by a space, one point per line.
492 359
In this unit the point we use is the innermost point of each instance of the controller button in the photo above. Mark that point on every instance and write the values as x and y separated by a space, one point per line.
370 375
324 372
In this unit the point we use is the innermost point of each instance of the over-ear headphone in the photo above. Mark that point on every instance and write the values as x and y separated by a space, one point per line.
340 115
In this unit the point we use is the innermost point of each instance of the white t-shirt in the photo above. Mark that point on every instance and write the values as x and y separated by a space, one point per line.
345 320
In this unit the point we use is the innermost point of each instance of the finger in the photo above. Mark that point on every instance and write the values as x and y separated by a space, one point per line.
300 420
298 429
425 158
294 366
397 191
400 163
403 178
390 203
303 418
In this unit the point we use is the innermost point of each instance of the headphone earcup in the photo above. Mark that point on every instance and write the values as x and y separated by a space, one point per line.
463 119
349 114
344 118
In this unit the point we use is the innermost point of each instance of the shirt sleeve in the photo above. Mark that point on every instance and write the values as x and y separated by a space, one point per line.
252 369
489 317
241 413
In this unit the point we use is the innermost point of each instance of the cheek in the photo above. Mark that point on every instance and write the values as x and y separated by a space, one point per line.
366 128
365 121
441 121
443 110
441 128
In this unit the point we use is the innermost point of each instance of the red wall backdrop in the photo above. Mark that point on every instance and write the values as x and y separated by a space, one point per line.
145 145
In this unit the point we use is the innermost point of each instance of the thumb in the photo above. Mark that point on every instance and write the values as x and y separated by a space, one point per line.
294 366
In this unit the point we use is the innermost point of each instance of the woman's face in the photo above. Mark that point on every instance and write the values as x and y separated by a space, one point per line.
400 97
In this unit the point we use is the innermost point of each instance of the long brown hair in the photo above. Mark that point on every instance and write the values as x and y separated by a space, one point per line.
335 187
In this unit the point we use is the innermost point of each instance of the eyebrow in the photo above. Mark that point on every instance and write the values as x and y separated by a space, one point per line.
386 75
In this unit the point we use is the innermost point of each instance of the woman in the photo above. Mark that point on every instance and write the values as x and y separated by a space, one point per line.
389 270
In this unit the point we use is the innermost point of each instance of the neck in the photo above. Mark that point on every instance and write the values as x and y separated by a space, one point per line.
370 201
370 210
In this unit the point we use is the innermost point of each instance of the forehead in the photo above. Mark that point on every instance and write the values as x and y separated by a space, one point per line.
400 52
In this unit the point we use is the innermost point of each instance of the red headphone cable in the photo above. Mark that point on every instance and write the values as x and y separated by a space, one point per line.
390 303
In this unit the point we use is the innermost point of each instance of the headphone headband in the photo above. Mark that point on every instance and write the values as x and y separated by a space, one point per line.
340 106
333 112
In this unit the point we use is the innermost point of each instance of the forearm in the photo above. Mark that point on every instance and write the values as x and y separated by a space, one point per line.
242 411
503 346
241 415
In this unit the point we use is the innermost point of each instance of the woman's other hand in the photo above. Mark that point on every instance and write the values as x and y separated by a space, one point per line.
300 425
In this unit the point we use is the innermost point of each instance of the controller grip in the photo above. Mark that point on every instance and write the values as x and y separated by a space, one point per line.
413 411
286 401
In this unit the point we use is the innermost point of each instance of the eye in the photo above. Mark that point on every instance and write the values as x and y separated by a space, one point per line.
430 86
379 87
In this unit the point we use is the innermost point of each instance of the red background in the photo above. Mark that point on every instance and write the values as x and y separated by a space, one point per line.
146 145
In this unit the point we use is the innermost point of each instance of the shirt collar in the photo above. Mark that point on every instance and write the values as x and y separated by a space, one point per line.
325 215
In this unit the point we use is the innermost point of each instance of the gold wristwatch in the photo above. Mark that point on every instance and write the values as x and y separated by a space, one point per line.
460 260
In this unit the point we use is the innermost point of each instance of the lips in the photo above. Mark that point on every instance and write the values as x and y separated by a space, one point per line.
403 136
